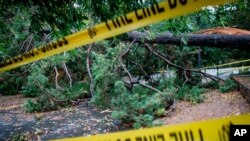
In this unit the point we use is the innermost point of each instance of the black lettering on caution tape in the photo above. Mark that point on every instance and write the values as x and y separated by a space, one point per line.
147 12
173 3
34 52
92 32
224 132
186 136
52 46
118 22
157 137
139 14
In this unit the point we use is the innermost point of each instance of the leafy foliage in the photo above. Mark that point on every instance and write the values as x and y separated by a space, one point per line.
103 76
51 98
119 7
139 106
36 77
77 91
228 86
31 106
19 137
10 85
193 94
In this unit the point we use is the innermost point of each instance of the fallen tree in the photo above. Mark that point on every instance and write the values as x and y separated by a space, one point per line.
241 42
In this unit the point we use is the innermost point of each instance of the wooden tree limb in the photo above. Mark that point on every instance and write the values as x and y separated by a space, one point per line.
120 59
141 68
91 87
149 87
56 101
56 77
27 44
203 40
51 98
160 55
132 80
186 78
67 73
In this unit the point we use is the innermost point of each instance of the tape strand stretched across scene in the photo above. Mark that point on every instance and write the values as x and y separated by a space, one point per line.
139 18
226 64
209 130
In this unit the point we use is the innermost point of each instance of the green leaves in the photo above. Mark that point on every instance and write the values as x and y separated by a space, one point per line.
36 78
31 106
189 93
228 86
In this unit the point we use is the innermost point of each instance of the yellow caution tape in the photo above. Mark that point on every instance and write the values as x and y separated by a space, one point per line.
233 69
209 130
227 64
139 18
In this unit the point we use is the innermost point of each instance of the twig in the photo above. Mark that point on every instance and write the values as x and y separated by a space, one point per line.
172 107
28 46
51 98
46 39
149 87
120 58
29 39
56 77
91 88
67 72
141 68
186 78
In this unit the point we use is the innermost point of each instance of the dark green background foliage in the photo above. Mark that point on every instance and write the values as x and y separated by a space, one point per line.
104 10
28 24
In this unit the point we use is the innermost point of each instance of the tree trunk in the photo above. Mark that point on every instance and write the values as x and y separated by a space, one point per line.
203 40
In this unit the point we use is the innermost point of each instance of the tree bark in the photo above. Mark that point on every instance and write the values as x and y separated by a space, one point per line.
88 65
241 42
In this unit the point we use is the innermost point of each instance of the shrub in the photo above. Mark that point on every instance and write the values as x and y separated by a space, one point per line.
213 85
189 93
139 106
104 78
30 89
228 86
11 85
31 106
78 90
196 94
43 103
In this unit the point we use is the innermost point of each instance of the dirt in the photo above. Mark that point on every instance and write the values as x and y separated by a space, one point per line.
8 102
86 119
215 105
244 85
245 80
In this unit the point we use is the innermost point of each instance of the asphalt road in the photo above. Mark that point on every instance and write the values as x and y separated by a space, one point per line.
81 120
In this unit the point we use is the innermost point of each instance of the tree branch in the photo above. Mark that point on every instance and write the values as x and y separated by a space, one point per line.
56 77
158 54
149 87
141 68
51 98
67 72
120 59
91 88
